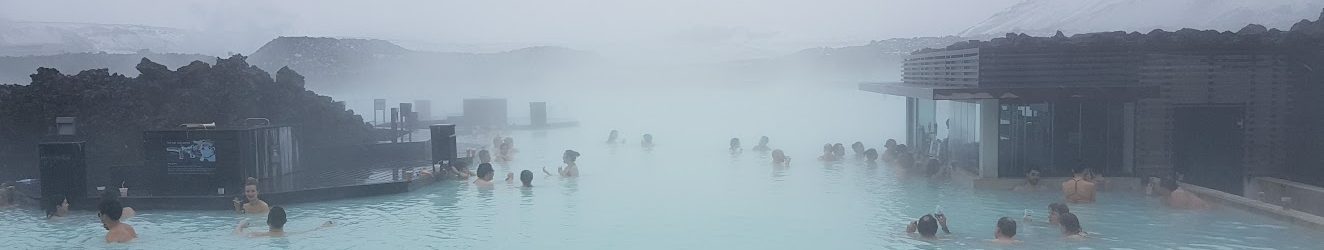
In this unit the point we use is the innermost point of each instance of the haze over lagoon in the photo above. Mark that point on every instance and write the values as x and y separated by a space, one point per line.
693 74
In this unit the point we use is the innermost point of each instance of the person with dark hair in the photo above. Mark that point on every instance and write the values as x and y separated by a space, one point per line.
458 169
1005 232
735 146
647 142
254 204
780 159
828 154
1031 182
613 136
526 177
276 220
1077 189
763 145
870 155
55 206
570 169
109 211
857 148
890 150
1176 197
927 226
839 151
114 194
1071 226
1055 212
485 174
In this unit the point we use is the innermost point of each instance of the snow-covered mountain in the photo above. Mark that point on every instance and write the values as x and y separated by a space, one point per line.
47 38
1045 17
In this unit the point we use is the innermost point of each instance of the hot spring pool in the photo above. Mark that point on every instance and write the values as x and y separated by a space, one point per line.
687 193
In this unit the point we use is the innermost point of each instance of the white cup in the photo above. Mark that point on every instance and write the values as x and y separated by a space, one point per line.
124 192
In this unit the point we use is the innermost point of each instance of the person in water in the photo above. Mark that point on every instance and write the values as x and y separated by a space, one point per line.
735 146
109 211
1031 182
1005 232
1077 189
114 194
613 137
254 204
485 174
459 170
870 155
1055 212
7 195
890 151
526 177
56 206
839 151
780 159
927 226
1097 178
484 156
827 153
570 169
857 148
647 142
763 145
276 220
1071 226
507 150
1176 197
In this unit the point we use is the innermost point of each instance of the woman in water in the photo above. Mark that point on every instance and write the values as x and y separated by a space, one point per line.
779 159
254 204
870 155
507 150
1071 226
839 151
763 145
570 169
56 206
485 174
858 148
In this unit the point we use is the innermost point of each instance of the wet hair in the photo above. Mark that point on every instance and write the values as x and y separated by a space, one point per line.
250 181
827 148
276 217
890 143
927 225
838 149
1007 227
858 147
1078 170
111 208
484 170
648 137
778 154
526 177
50 204
763 140
571 154
1059 208
871 154
1070 223
1169 183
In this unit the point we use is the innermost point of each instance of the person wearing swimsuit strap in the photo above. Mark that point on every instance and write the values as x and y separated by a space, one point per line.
1078 190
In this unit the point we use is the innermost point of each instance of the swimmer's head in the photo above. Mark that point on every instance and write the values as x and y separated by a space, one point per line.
1006 227
827 148
648 137
110 210
927 226
1058 208
484 156
839 149
276 218
778 156
857 147
763 141
508 142
735 143
569 156
1032 176
1070 224
250 189
890 143
871 154
485 171
526 177
1078 171
55 205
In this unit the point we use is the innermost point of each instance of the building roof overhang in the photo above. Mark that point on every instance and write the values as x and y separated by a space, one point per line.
1054 92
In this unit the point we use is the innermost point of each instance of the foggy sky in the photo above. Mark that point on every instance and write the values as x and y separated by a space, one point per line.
582 24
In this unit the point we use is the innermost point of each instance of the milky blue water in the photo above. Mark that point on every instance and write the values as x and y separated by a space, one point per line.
689 193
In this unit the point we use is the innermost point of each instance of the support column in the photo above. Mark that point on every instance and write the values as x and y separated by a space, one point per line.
988 138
